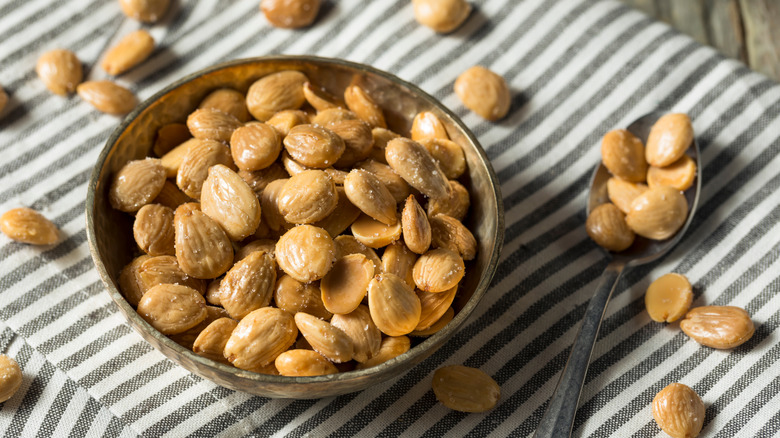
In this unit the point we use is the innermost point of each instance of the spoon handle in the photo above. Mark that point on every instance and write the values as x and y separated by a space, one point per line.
558 419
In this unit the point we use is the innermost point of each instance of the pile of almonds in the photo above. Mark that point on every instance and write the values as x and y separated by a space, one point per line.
290 232
647 184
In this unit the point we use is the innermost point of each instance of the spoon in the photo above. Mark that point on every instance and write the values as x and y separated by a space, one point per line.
558 419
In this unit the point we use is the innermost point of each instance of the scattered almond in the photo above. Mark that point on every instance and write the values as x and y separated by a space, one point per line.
668 298
28 226
679 411
290 14
720 327
147 11
465 389
60 70
484 92
107 97
10 377
130 51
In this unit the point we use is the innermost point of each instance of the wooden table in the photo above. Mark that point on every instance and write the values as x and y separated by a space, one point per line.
748 30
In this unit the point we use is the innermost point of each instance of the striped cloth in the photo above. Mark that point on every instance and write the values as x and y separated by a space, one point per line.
577 69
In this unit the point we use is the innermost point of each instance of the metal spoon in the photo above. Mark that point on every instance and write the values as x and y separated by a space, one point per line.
559 417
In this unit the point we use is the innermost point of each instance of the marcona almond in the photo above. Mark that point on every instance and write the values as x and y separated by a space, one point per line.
396 185
269 204
345 285
679 174
367 193
623 155
331 116
275 92
314 146
455 205
305 253
10 377
187 338
248 285
284 121
308 197
130 282
346 245
203 250
398 259
448 155
28 226
438 270
194 168
622 193
165 270
130 51
375 234
136 184
324 338
448 232
416 228
484 92
358 326
437 326
607 226
393 305
107 97
292 296
172 159
259 179
668 140
169 136
417 167
358 141
341 217
392 346
170 196
212 294
210 123
668 298
428 125
153 230
260 337
433 306
658 213
679 411
255 146
266 245
172 308
318 97
228 101
227 199
465 389
443 16
719 327
304 363
210 343
290 14
60 70
359 102
147 11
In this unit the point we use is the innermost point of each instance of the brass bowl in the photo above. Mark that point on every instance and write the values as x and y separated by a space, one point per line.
110 237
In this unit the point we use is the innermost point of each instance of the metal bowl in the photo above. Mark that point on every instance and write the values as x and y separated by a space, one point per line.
111 243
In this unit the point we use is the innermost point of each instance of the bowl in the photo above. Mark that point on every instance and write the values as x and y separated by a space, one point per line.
109 232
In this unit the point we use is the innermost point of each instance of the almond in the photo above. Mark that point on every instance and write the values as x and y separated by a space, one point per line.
305 253
367 193
396 185
314 146
308 197
259 179
165 270
248 285
292 296
360 328
358 141
130 51
437 326
275 92
448 155
393 305
345 285
203 250
465 389
227 199
147 11
392 346
10 377
136 184
433 306
28 226
417 167
194 168
107 97
153 230
658 213
170 196
359 102
438 270
324 338
679 411
606 225
304 363
398 259
680 175
60 70
623 155
260 337
668 140
228 101
428 125
719 327
290 14
456 204
375 234
255 146
622 193
169 136
448 232
346 245
210 123
211 341
318 97
172 308
285 120
341 217
130 283
416 228
484 92
668 297
331 116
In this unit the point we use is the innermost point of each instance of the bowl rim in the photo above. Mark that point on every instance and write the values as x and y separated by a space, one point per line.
415 354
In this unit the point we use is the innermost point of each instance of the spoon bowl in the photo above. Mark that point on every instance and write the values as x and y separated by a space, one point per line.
559 417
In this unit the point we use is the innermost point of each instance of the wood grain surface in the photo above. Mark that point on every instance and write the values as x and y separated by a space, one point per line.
747 30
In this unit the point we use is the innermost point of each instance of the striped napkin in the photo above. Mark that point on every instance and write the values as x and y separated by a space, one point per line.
577 69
